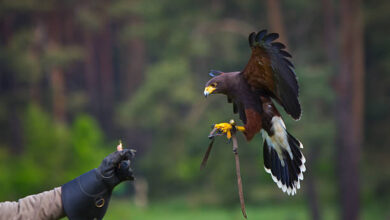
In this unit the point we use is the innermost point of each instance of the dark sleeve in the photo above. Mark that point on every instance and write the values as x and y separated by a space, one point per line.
45 205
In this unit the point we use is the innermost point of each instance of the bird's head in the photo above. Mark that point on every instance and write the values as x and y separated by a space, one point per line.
216 84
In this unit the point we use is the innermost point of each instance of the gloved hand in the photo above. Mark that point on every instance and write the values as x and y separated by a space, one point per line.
115 168
87 196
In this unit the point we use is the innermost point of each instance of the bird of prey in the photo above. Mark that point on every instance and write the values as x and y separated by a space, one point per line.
269 76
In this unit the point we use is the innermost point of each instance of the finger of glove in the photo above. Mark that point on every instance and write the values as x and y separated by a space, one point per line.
128 154
125 172
116 157
128 176
113 159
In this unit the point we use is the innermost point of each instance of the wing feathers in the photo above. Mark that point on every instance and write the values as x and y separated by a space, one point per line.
285 53
278 45
288 62
270 69
260 35
238 108
271 37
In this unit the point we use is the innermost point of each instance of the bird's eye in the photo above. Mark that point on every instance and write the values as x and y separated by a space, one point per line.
214 84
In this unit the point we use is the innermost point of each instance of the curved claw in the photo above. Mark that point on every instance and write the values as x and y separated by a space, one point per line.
225 128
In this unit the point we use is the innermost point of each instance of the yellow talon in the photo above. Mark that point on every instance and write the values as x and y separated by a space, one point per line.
227 127
229 134
223 127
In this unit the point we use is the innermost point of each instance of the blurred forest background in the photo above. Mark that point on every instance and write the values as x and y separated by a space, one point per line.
77 76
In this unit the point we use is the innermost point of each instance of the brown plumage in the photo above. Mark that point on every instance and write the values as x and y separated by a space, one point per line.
253 124
268 75
270 70
258 72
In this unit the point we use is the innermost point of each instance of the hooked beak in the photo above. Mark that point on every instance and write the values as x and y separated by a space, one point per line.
208 90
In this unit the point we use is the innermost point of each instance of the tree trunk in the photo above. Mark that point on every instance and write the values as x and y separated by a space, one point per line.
90 71
58 89
55 21
136 65
6 28
106 65
105 56
275 19
349 107
329 33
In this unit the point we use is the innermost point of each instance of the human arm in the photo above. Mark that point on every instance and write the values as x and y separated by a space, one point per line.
45 205
85 197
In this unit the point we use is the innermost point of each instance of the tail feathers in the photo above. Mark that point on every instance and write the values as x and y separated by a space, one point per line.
286 169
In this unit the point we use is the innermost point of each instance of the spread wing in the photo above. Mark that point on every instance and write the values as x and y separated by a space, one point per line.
270 70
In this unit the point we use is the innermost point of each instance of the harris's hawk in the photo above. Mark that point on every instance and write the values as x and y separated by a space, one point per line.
269 75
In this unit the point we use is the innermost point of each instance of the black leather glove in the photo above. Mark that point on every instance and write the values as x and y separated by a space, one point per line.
115 168
87 196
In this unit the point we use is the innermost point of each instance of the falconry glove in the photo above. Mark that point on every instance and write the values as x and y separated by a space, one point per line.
87 196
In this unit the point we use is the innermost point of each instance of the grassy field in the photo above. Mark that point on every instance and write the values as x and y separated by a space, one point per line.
175 211
180 210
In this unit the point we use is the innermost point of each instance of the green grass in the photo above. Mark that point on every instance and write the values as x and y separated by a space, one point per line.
177 209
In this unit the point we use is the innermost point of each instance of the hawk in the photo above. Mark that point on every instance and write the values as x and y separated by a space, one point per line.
269 76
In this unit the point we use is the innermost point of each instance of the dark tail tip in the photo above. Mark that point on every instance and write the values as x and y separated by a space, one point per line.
286 172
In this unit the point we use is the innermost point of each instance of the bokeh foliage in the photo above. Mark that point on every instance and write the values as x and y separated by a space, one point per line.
165 116
54 153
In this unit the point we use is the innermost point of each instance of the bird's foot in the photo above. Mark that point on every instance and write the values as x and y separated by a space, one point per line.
224 128
228 128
